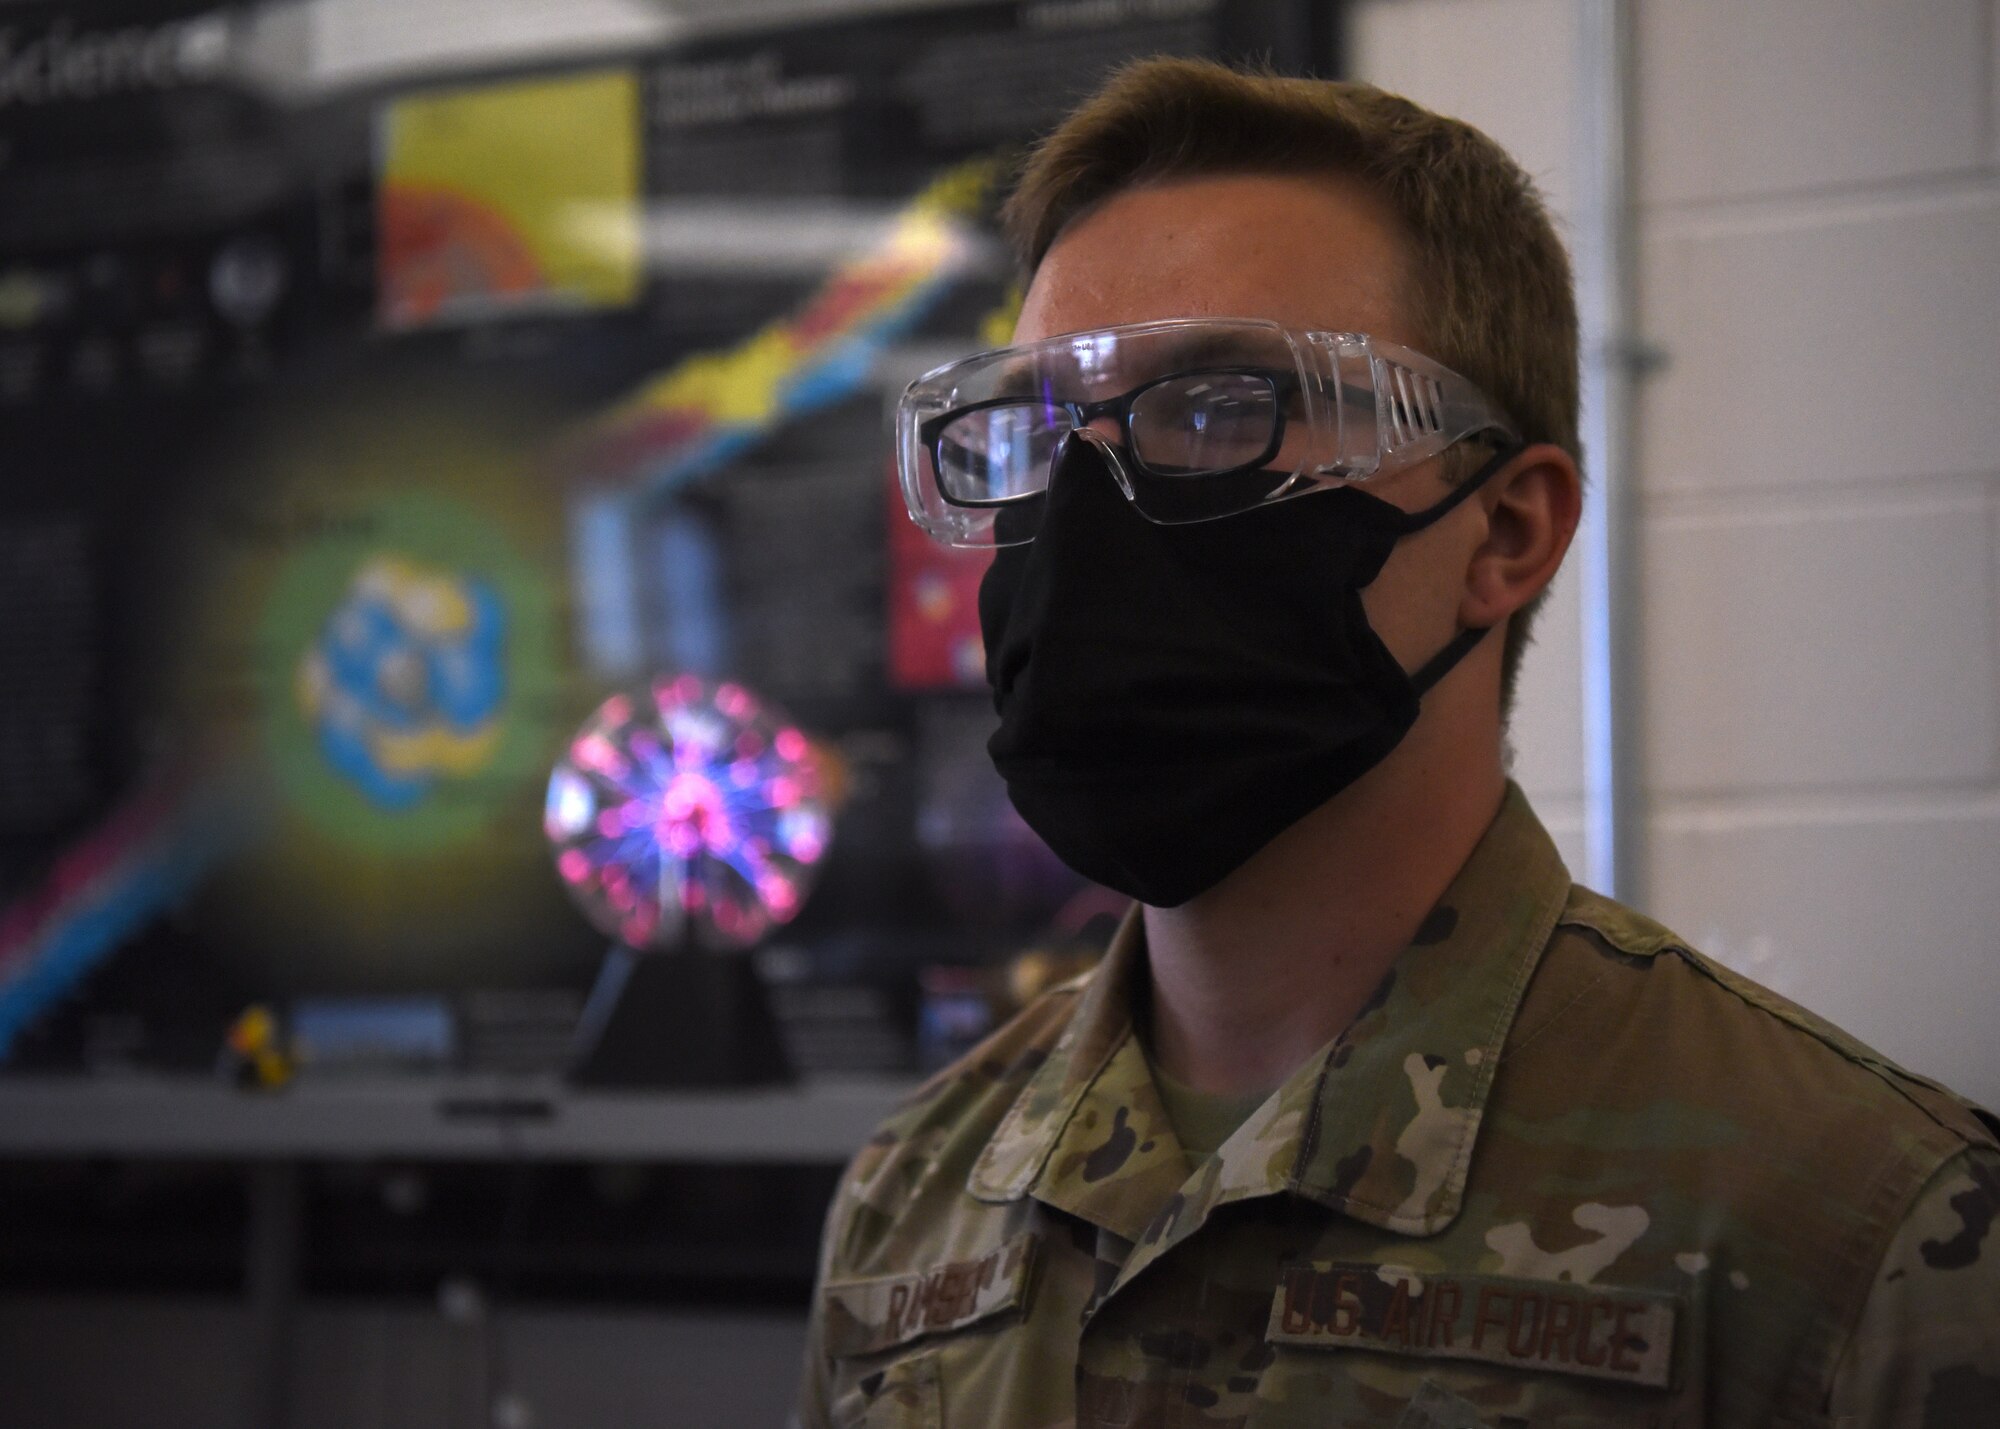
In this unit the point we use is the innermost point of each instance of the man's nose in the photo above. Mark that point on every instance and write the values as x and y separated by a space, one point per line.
1106 427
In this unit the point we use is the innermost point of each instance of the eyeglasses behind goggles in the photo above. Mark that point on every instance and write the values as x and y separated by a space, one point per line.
1197 419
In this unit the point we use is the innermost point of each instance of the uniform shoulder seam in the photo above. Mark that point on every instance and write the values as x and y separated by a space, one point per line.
1968 1124
1635 935
1625 929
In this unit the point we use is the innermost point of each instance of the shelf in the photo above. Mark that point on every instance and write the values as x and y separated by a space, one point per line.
436 1119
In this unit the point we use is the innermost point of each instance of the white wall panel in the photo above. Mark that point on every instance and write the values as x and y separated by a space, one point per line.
1830 649
1501 65
1786 95
1855 346
1884 926
1547 729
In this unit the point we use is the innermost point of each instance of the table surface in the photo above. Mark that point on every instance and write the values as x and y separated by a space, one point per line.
437 1118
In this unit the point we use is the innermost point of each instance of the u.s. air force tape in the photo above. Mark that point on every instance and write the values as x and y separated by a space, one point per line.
862 1317
1596 1331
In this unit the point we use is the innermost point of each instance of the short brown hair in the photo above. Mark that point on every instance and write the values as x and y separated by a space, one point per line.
1489 282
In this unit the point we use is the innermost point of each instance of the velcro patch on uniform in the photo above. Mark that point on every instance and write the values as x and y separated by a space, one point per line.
862 1317
1550 1326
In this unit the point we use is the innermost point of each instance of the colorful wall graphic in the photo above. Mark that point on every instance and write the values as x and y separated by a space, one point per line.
149 853
696 416
381 636
392 656
515 197
406 682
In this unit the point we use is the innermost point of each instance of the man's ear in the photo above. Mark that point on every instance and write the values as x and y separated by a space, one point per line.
1532 506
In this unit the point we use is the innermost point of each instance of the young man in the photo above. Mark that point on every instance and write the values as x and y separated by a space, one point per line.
1370 1115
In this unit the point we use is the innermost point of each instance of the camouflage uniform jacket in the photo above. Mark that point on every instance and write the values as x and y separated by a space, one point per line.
1562 1170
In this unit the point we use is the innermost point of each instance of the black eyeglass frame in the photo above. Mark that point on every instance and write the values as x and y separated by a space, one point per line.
1284 384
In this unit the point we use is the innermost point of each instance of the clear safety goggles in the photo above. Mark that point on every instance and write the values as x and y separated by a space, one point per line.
1197 418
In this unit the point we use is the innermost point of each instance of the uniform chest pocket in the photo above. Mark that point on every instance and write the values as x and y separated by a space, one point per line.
903 1394
892 1334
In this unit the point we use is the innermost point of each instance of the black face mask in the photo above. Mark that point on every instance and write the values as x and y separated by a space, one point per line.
1171 698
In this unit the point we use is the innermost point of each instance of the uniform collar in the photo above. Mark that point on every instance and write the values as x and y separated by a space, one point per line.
1088 1134
1379 1125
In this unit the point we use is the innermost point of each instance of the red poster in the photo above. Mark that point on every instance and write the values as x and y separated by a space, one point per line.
933 607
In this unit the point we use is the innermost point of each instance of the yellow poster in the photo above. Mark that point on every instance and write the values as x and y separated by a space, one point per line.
509 198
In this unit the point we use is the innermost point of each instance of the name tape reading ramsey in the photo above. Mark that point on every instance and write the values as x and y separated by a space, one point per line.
864 1316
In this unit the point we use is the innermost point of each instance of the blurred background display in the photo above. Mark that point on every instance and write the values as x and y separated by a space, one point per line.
378 399
385 385
387 390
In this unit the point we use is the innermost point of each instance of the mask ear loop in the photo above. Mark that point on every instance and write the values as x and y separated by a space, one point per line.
1414 521
1460 645
1439 665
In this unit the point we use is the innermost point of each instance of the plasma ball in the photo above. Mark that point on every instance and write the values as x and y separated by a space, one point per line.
684 811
